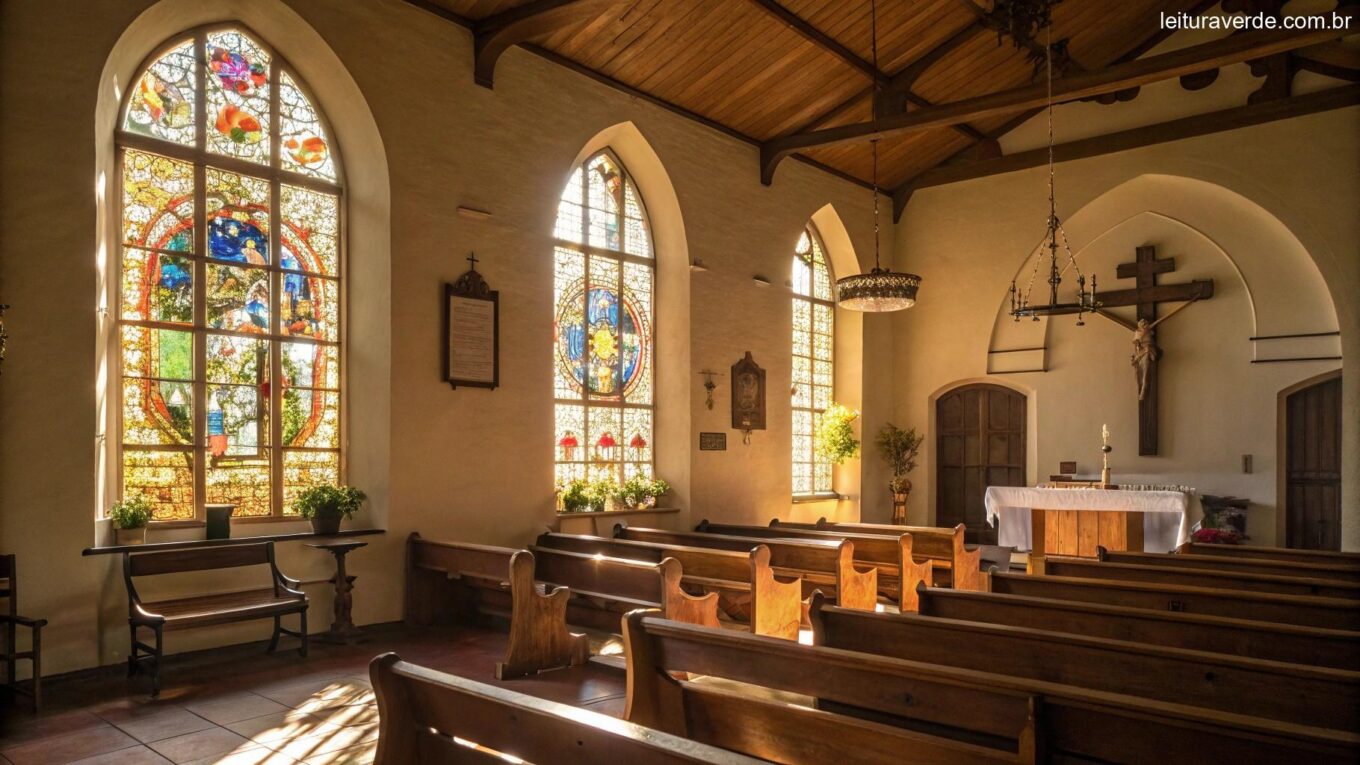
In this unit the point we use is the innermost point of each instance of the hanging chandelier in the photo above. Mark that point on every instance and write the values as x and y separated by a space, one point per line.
880 290
1022 302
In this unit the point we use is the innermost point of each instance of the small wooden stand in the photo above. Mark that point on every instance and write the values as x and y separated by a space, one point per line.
342 629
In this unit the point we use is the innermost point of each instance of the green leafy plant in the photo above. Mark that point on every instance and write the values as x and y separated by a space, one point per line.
835 437
600 492
131 513
899 448
574 496
660 488
638 490
326 498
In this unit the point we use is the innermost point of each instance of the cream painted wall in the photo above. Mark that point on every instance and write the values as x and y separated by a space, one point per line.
1268 212
470 464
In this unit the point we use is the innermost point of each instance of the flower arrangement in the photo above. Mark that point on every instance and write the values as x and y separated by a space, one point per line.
641 491
1217 537
835 437
131 513
899 448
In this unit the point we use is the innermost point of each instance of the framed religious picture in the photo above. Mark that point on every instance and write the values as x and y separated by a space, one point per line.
472 345
748 395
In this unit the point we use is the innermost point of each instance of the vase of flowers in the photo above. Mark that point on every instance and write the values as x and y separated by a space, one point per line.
326 505
130 518
899 448
640 492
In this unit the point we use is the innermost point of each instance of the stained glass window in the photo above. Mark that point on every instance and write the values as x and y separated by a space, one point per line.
229 283
814 334
604 281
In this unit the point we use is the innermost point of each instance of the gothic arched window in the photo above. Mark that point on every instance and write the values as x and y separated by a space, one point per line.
229 291
604 277
814 341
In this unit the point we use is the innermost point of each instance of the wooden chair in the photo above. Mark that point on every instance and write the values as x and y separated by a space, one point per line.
9 590
939 714
278 599
426 716
1296 693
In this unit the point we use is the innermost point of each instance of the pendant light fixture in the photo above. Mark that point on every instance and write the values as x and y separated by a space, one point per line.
1084 301
880 290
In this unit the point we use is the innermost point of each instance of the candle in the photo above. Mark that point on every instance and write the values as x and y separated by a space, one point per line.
1104 435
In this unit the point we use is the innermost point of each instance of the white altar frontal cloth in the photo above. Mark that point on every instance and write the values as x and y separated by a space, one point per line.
1165 513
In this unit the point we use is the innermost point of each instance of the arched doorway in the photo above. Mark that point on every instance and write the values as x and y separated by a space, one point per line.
979 442
1312 466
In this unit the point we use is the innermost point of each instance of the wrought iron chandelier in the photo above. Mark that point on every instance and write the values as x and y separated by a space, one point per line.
881 290
1084 301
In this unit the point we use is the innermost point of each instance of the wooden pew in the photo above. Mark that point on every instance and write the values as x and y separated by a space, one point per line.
450 582
1000 717
770 606
1273 641
426 716
828 563
1329 557
1330 613
964 568
898 570
1306 695
1339 572
1195 577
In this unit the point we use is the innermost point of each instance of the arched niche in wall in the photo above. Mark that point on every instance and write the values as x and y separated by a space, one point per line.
367 217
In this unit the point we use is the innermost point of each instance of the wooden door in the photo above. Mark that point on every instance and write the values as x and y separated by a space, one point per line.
1313 467
979 442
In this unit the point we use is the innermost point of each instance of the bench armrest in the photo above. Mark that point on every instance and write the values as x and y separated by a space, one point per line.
23 621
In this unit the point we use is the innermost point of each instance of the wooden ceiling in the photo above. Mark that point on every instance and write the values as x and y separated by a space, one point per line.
766 69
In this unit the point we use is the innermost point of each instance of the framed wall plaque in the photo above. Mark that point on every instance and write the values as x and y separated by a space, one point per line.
472 345
748 395
712 442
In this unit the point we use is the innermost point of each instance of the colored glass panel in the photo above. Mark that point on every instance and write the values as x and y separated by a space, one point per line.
244 483
163 354
238 217
238 298
163 478
157 412
234 360
161 104
569 438
310 365
311 230
303 139
310 307
158 202
311 418
238 97
813 346
302 469
157 287
636 239
236 424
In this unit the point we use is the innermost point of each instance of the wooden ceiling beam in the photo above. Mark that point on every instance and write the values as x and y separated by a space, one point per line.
1134 138
819 38
496 34
1230 50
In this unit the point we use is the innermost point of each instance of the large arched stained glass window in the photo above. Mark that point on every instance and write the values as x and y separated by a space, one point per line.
602 350
229 282
814 336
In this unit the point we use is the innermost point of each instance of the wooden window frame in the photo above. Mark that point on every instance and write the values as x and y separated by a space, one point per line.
815 242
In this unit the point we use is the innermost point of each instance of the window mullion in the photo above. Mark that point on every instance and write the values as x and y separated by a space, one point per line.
274 412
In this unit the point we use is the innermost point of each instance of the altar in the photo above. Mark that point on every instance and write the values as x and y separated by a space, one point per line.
1076 521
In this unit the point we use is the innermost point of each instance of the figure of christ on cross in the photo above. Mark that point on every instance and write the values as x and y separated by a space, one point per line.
1146 295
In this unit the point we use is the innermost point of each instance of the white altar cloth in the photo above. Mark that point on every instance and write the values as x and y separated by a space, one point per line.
1166 521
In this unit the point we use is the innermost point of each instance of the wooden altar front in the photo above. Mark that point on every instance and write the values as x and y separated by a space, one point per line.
1081 532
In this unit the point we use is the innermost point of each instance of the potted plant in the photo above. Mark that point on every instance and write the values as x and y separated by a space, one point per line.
899 449
574 497
602 495
130 518
835 437
325 505
640 492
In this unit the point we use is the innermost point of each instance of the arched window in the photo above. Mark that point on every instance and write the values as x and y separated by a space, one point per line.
229 282
603 278
814 335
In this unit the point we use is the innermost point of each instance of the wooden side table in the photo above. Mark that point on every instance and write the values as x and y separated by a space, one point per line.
342 628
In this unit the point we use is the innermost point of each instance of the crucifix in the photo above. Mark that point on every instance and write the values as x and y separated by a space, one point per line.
1146 295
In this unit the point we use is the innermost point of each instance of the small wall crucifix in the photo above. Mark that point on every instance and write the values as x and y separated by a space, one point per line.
1146 295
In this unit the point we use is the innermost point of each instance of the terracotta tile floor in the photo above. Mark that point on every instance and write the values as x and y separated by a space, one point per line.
242 706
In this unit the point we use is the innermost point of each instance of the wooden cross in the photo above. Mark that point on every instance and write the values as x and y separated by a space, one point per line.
472 259
1146 295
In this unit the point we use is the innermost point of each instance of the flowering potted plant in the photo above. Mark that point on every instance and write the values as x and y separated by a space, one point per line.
130 518
641 492
574 497
325 505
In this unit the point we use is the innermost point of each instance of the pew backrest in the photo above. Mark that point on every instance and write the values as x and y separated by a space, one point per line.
1275 690
429 716
1328 557
945 545
1229 564
1331 613
1195 577
630 583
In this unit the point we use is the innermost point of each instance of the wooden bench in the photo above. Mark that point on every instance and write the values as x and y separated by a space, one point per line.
9 591
1328 557
893 557
963 569
280 598
747 587
1225 563
1095 568
943 714
1307 695
828 564
1237 637
1331 613
426 716
540 593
